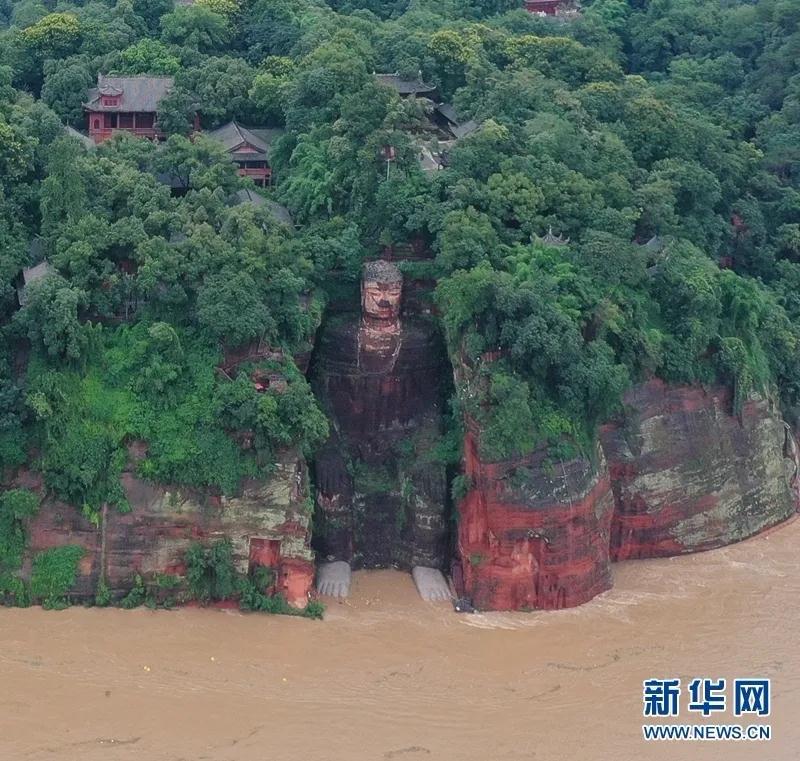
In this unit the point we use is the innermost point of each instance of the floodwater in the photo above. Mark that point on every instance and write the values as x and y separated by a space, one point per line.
388 676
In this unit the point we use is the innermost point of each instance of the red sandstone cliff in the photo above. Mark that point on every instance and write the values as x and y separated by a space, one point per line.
268 525
688 475
533 533
684 474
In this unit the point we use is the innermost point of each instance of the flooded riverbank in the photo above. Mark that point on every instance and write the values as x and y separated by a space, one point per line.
387 676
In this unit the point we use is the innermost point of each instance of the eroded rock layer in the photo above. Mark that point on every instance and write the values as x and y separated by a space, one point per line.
688 475
268 525
533 533
683 474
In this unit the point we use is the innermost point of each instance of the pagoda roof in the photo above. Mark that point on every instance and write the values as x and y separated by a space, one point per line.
37 272
84 139
452 121
138 93
553 240
276 211
234 135
405 86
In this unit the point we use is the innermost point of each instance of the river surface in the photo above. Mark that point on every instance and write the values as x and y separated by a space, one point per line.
387 676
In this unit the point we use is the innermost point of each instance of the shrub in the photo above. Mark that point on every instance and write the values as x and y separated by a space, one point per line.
210 571
255 599
102 597
14 591
16 506
54 572
460 487
137 595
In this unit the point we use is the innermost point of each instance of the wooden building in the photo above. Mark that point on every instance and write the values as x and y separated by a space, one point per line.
249 148
406 87
33 273
279 213
126 104
546 7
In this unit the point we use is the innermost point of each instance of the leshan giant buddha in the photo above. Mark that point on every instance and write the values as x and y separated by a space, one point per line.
381 496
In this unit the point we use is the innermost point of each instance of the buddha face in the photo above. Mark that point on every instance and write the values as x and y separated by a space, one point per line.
381 300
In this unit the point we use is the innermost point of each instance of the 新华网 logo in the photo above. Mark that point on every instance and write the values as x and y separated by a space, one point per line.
743 698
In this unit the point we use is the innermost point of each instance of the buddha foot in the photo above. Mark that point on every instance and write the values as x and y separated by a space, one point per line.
333 579
431 584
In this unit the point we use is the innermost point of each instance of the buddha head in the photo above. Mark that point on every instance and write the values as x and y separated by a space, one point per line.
381 290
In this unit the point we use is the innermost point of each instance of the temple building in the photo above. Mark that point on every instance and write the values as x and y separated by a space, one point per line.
279 213
30 275
545 7
249 148
447 119
405 87
446 128
126 104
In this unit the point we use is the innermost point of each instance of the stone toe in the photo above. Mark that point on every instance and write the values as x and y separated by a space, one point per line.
431 584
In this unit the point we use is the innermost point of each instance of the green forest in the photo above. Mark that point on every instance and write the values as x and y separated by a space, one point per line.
625 205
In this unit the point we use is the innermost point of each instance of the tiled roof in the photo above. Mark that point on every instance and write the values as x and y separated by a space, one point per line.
462 130
277 212
140 93
405 86
31 275
232 135
452 121
655 244
448 112
37 272
87 141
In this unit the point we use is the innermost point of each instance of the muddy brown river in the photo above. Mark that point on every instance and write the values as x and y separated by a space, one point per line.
387 676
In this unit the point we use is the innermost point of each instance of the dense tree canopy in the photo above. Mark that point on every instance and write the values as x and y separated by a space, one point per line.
627 206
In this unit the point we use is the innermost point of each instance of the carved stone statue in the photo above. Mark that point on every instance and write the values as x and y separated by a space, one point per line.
381 499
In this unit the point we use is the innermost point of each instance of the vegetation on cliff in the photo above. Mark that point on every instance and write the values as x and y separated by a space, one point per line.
625 205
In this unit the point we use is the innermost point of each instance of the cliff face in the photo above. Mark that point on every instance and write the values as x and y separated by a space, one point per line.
269 525
688 476
380 503
683 474
534 533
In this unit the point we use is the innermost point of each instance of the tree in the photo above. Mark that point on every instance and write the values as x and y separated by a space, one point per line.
55 36
176 113
147 57
151 11
272 27
220 87
196 27
466 240
225 8
268 95
65 88
64 171
229 306
485 8
16 151
50 317
198 163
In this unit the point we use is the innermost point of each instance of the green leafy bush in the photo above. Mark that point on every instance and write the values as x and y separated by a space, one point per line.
16 507
210 571
212 576
54 573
